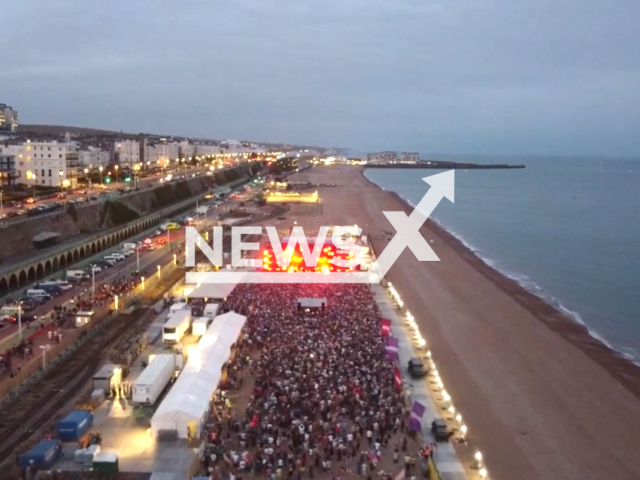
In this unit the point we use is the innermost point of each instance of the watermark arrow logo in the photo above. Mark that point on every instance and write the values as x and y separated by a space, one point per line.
407 235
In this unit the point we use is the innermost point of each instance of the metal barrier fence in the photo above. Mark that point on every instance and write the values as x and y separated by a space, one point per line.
122 302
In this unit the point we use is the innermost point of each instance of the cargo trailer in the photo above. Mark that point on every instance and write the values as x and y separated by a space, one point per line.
153 379
43 455
200 325
105 463
176 307
72 427
211 310
107 378
177 325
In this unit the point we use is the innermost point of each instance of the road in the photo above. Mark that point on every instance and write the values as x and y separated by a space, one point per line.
100 192
9 333
161 256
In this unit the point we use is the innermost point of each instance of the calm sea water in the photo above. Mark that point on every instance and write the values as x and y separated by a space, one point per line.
568 230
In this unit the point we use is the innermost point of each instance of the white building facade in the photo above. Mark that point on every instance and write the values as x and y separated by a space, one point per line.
94 157
8 118
52 164
127 152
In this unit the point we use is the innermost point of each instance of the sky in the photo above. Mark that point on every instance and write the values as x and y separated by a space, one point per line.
503 77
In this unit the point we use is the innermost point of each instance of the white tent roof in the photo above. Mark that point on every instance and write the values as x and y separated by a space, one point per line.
215 291
188 400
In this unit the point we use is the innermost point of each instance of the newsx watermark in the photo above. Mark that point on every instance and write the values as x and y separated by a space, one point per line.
407 236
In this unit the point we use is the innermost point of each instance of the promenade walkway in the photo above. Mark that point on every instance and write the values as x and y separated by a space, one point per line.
446 457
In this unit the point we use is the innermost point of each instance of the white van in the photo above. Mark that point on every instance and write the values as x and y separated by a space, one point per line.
10 310
38 294
63 284
75 275
129 246
110 260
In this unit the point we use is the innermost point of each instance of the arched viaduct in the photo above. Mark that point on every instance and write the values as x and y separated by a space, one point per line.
30 271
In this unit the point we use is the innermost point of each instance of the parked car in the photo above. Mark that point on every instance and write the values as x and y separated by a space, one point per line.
96 268
416 368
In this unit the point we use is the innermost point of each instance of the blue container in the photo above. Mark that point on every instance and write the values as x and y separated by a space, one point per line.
72 427
43 455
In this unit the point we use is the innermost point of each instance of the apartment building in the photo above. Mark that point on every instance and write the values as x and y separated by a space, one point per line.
8 174
94 157
54 164
156 154
128 152
382 157
206 150
187 150
8 118
409 157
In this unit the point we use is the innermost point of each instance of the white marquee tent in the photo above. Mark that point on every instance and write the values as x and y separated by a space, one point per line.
187 403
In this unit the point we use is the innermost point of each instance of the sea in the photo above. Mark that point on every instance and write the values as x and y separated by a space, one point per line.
566 229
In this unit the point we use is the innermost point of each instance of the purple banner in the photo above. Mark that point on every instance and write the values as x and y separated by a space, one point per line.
393 342
417 410
414 425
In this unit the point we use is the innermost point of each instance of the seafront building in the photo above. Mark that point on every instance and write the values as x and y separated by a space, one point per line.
127 152
49 163
8 118
8 172
94 157
409 157
382 157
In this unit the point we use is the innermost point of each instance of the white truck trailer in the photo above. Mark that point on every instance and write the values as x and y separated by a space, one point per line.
153 380
200 325
176 326
211 310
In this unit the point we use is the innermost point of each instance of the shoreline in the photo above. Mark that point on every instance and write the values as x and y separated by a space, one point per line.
622 369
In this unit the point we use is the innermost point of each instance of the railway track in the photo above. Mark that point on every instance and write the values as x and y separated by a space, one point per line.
25 415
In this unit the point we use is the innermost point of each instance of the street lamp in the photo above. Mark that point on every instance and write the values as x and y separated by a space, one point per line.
100 175
86 176
20 319
116 167
61 173
44 355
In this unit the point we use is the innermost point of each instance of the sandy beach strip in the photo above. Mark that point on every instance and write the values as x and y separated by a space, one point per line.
541 398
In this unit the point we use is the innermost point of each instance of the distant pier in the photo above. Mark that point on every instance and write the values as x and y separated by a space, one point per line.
444 165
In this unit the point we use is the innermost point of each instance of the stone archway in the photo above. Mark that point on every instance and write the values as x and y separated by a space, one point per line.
22 278
76 255
69 258
63 261
31 274
40 271
47 268
4 286
93 248
56 264
81 252
13 282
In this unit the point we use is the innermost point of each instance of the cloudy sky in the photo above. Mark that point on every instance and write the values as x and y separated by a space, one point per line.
557 77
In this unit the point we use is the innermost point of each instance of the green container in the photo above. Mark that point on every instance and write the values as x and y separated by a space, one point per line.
106 468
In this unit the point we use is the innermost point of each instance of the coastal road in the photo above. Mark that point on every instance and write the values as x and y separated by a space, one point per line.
13 214
159 256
